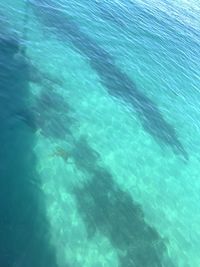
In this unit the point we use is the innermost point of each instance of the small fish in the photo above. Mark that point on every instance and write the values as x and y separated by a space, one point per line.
61 152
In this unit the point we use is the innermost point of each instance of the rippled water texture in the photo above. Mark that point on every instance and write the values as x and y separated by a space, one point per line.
99 108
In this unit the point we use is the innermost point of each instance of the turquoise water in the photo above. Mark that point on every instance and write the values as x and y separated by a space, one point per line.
99 108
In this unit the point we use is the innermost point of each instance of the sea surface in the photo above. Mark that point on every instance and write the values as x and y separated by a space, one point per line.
99 133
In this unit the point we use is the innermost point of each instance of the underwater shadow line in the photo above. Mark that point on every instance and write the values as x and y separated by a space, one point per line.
117 82
110 211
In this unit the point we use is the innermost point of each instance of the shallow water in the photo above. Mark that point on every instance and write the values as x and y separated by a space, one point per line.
99 133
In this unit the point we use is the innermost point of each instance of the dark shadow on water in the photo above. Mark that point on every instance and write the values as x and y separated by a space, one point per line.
50 114
24 229
115 80
54 115
85 157
106 209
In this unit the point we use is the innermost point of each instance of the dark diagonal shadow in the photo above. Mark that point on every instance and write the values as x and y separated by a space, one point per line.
117 82
24 229
49 114
106 209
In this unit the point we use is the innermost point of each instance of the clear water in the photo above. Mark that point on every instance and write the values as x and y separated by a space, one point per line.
99 108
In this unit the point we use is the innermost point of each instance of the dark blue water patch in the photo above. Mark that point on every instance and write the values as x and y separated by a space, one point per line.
47 112
50 114
85 157
24 228
108 210
56 126
55 115
54 101
116 81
